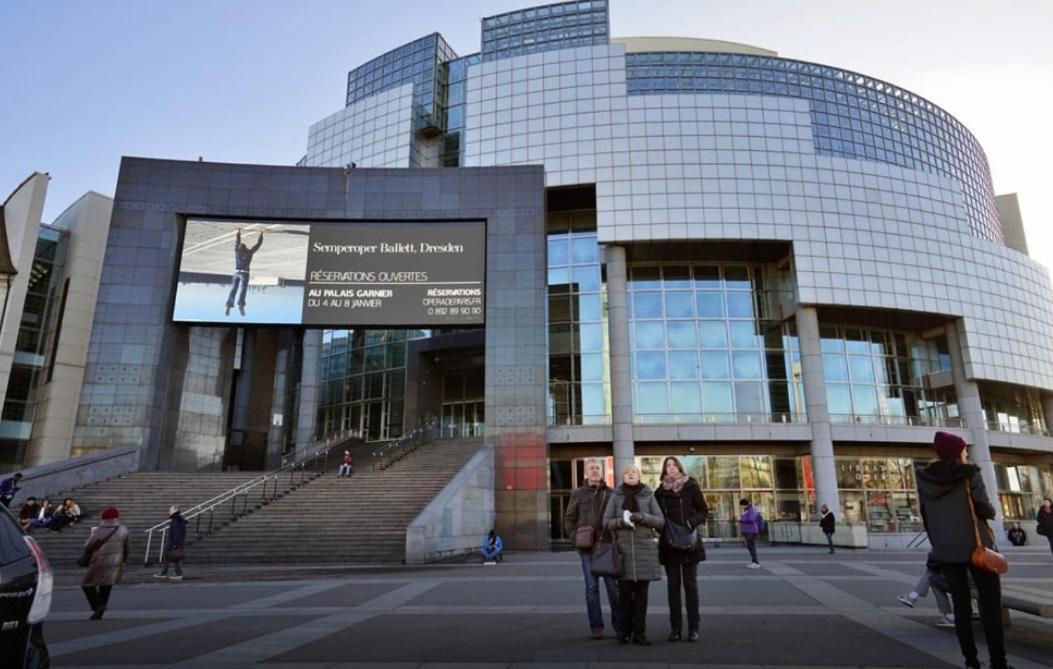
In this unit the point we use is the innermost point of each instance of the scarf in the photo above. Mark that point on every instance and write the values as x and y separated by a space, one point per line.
676 483
631 491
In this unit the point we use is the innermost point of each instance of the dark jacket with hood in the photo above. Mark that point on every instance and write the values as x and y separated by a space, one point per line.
586 509
945 509
687 509
176 532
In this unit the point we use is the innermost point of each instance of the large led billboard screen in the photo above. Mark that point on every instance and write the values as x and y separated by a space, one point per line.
365 274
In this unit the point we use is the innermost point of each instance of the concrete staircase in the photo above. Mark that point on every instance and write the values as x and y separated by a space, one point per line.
142 498
341 520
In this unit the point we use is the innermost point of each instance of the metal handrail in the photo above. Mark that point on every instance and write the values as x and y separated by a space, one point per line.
318 454
400 447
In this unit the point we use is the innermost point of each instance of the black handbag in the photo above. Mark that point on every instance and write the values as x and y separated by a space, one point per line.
606 556
678 537
85 558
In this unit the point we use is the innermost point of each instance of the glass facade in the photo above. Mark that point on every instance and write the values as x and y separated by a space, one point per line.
853 116
579 373
457 78
363 376
1021 489
34 350
421 63
1012 408
558 26
877 376
705 346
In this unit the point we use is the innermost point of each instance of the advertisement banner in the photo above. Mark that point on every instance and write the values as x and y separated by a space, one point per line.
339 274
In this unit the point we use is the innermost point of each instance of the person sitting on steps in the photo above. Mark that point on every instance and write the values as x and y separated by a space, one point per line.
492 548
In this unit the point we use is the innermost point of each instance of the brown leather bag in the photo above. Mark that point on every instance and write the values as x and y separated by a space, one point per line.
983 557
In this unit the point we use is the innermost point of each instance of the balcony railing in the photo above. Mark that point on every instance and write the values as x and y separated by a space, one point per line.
1017 428
901 421
740 418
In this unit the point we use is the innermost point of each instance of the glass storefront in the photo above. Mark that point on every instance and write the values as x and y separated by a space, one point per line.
1021 489
1012 408
879 492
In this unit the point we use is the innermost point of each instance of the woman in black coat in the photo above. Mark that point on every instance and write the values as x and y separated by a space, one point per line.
681 501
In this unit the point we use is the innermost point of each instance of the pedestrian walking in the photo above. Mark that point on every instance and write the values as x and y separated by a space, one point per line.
239 281
9 487
932 579
345 465
583 523
1045 521
827 523
1016 535
684 508
108 546
175 545
749 527
634 516
953 502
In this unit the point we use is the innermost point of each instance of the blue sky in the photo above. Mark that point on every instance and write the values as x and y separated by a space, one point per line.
241 80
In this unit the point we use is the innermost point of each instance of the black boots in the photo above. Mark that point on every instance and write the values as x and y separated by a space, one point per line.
674 635
692 635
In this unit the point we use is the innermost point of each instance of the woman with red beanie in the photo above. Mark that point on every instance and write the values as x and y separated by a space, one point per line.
945 487
108 545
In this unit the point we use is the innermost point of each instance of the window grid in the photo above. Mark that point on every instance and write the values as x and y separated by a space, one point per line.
853 116
579 374
704 347
558 26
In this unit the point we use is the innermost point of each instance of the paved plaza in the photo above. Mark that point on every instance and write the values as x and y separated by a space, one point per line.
804 608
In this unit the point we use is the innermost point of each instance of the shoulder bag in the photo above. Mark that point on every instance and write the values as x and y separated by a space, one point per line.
606 556
85 558
677 536
983 557
585 536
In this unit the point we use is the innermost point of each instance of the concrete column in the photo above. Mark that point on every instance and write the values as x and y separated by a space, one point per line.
824 468
971 411
276 429
238 441
310 378
621 383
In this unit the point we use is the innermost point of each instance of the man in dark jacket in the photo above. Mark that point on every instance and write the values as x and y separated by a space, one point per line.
827 525
240 279
945 487
586 511
1044 519
9 488
175 544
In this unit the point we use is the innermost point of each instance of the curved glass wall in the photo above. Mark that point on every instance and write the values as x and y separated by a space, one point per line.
705 348
853 116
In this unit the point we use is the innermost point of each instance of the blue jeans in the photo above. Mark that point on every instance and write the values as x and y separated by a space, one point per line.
829 539
1050 537
239 280
592 596
751 545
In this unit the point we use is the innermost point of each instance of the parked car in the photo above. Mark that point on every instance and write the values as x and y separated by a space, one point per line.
26 584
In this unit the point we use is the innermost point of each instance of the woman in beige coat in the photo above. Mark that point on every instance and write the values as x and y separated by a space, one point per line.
108 544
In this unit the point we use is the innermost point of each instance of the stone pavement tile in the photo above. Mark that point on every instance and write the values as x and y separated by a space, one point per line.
56 631
511 593
348 595
772 639
176 595
823 568
746 590
181 644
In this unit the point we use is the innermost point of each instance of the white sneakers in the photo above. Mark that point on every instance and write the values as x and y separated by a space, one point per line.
946 621
908 600
753 565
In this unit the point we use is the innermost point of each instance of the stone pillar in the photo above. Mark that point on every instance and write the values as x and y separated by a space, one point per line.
238 441
621 383
310 378
278 419
824 469
971 411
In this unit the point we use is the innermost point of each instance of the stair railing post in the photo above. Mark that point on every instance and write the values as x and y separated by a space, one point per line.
146 557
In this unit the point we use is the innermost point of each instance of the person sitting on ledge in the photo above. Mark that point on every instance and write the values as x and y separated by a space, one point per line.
1017 536
492 548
